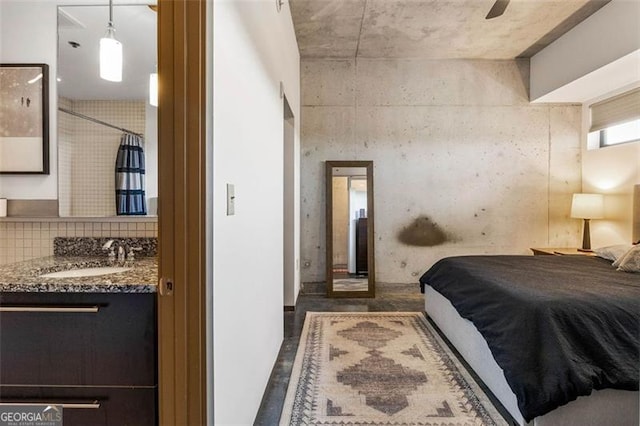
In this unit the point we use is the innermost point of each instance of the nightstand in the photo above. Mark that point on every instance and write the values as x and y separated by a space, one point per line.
564 251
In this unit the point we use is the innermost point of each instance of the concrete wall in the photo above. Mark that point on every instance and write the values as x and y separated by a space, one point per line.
254 49
463 164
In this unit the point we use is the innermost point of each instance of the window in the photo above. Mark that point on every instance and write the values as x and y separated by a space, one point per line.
616 134
615 120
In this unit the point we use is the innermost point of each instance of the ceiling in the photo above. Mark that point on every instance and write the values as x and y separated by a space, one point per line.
78 68
432 29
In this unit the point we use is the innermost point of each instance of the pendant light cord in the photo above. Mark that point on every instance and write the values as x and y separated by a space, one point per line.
110 14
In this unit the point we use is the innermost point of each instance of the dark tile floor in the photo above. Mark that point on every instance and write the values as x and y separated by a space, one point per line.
389 298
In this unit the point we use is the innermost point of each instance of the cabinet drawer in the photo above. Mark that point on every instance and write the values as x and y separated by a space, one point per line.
92 406
77 339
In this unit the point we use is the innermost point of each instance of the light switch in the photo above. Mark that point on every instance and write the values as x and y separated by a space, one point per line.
231 200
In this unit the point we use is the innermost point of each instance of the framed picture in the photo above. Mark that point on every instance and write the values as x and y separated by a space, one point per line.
24 119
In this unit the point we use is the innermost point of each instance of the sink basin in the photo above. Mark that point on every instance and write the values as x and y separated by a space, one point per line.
86 272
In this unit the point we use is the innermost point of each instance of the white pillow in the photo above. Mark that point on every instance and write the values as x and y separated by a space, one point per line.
613 253
630 262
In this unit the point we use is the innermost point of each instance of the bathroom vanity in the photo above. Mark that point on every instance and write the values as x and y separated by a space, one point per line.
87 343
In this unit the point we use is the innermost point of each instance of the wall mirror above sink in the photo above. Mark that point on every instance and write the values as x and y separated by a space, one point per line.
350 229
95 114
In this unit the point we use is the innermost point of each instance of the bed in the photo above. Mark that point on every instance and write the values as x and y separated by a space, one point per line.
548 329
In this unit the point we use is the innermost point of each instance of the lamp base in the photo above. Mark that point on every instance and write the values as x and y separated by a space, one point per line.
585 250
586 237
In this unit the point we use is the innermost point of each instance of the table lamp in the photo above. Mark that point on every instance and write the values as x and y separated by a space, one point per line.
587 207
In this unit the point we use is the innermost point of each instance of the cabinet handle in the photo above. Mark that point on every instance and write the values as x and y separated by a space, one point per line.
62 309
81 405
93 405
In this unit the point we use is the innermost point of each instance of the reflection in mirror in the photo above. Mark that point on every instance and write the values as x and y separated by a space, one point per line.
349 229
94 115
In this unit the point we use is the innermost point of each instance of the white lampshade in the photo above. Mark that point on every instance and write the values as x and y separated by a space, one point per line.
153 89
587 206
110 57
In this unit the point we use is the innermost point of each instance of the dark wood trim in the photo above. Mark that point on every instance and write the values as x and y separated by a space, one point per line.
371 247
328 226
288 308
181 211
371 292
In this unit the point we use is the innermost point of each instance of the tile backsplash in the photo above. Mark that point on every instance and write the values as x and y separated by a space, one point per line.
94 246
28 240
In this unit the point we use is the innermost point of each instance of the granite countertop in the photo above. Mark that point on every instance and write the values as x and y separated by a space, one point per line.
25 276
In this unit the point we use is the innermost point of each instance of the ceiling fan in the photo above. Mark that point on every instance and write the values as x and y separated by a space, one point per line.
497 9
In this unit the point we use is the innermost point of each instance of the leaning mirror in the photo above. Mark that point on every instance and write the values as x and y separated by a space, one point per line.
350 242
107 138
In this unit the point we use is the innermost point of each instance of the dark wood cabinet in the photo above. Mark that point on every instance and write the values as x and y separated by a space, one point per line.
81 346
362 265
92 406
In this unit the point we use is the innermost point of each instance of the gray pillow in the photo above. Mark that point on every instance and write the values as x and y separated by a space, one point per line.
630 262
614 252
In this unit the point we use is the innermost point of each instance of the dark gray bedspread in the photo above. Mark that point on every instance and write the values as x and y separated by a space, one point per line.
559 326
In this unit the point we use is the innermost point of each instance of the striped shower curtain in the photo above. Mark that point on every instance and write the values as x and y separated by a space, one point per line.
130 199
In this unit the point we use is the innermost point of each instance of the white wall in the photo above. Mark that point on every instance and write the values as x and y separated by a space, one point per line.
357 201
613 171
254 48
151 157
20 42
597 59
455 141
599 55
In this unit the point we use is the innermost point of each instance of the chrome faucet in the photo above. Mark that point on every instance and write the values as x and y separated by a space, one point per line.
131 255
109 245
120 253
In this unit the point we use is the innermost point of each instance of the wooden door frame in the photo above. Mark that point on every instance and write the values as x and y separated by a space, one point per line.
182 372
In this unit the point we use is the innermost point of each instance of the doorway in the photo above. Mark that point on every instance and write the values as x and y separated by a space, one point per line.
289 254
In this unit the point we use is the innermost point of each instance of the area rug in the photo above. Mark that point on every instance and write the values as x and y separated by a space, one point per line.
387 368
350 284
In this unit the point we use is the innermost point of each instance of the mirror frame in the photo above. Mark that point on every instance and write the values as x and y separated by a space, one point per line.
371 288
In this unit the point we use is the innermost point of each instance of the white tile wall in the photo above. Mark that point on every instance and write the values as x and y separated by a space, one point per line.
65 145
88 154
28 240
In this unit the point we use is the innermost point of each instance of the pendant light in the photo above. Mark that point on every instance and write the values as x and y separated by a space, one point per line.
110 52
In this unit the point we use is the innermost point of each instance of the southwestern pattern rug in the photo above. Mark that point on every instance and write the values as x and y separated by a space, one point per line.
387 368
